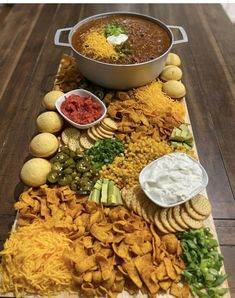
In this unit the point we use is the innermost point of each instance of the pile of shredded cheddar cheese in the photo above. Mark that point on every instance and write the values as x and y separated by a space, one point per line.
152 96
33 262
146 111
96 44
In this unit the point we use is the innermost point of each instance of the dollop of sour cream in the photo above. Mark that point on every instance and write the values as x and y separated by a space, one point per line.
172 178
117 40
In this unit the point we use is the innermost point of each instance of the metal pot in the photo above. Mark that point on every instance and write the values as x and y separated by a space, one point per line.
120 76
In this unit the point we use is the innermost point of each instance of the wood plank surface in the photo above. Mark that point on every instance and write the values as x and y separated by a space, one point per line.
29 61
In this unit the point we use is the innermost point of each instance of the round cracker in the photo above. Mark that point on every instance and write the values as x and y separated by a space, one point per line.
85 141
140 201
70 133
91 136
163 218
105 131
110 123
152 208
73 144
104 135
158 223
94 132
172 221
134 204
193 213
201 205
177 216
105 127
126 197
192 223
144 209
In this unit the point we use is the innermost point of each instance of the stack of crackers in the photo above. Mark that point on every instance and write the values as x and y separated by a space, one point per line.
189 215
80 141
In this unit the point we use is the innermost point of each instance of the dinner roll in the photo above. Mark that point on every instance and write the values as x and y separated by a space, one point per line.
50 98
43 145
49 122
173 59
174 89
171 72
34 172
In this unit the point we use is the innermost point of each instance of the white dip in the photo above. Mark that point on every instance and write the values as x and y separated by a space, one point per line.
172 178
116 40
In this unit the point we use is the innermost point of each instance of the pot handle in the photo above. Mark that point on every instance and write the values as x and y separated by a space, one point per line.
183 33
57 37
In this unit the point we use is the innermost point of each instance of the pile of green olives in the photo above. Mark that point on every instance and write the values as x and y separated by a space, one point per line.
75 170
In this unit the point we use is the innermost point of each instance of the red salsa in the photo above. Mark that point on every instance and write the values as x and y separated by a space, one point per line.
82 110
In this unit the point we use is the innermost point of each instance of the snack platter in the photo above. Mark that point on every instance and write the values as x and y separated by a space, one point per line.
208 222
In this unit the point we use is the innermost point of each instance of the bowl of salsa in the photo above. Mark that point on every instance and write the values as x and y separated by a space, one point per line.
81 108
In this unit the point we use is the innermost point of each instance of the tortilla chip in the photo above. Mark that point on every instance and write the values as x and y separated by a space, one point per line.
165 284
170 269
130 268
101 232
161 271
176 290
85 264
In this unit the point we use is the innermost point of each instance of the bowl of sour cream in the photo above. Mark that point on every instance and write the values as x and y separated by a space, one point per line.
173 179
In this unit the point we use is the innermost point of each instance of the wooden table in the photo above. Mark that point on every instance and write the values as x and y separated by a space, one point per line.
29 61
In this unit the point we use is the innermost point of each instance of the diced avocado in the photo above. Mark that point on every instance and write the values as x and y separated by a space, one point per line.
119 197
90 196
174 144
184 134
98 184
175 133
110 191
104 191
95 196
183 126
187 146
113 199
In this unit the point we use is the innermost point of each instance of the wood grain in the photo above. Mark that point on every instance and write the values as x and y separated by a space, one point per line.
29 62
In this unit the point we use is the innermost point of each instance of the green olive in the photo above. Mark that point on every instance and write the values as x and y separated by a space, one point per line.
52 177
73 185
57 166
68 171
69 162
74 174
65 150
65 180
87 174
62 157
84 181
83 166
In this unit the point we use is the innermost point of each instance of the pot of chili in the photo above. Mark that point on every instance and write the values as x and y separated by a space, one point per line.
121 50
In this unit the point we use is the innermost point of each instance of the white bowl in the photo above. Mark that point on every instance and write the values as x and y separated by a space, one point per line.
157 200
82 93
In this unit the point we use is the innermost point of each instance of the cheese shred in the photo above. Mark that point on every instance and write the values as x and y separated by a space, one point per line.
33 262
154 99
96 43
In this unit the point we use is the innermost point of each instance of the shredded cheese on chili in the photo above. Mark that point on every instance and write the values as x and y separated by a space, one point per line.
96 43
33 262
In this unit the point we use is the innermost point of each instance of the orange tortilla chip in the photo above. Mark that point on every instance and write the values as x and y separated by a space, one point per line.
130 268
161 271
101 232
176 290
186 291
170 269
85 264
165 284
